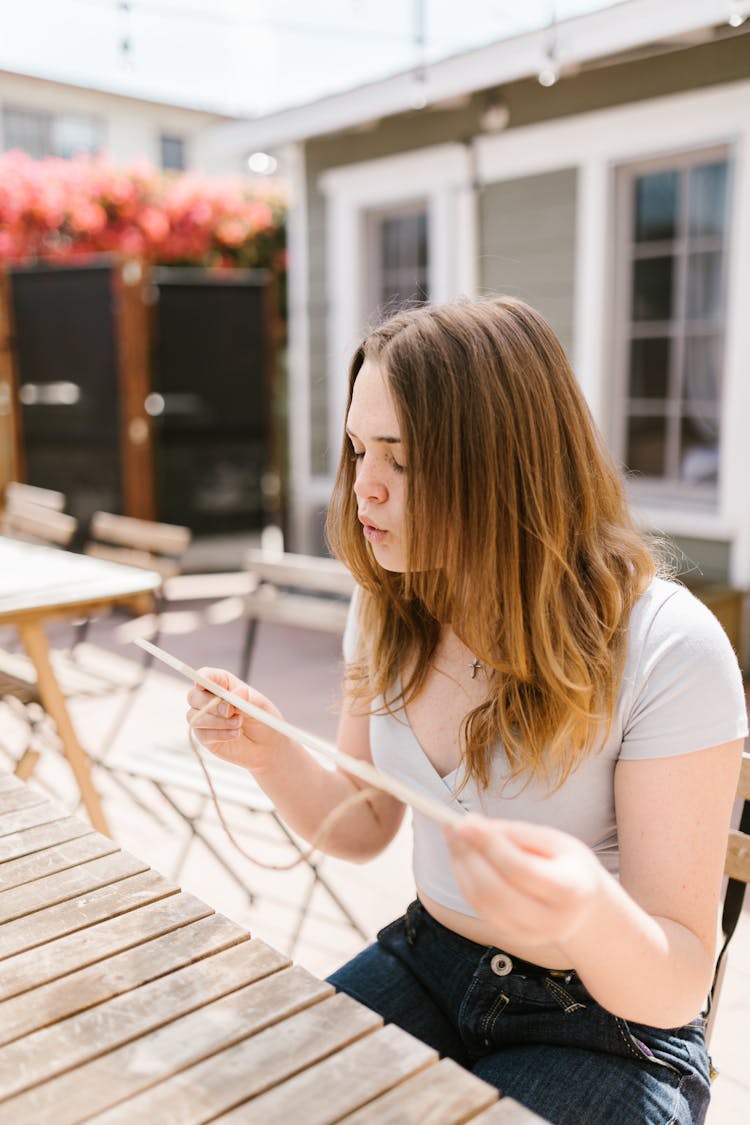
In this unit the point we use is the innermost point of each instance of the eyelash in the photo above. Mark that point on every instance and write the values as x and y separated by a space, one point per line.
357 456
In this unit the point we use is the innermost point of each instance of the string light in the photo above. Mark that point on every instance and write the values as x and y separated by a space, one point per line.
737 13
549 73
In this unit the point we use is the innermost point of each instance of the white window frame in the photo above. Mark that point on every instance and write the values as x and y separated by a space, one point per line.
441 178
656 490
373 248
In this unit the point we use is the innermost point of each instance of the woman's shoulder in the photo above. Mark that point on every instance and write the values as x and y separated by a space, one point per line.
666 607
682 687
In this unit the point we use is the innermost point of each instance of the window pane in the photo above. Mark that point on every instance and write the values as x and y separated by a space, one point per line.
708 199
71 135
646 449
702 369
28 130
699 441
391 229
652 288
704 286
172 153
403 260
649 368
655 206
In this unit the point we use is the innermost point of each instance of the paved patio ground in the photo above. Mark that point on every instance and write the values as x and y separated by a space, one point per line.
300 670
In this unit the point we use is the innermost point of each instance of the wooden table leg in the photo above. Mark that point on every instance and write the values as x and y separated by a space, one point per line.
35 642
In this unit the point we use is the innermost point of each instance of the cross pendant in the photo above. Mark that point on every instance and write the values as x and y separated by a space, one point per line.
475 666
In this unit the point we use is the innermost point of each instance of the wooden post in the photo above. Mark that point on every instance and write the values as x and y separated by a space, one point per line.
11 458
136 434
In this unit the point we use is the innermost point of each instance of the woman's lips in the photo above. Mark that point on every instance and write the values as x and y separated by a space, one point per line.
372 533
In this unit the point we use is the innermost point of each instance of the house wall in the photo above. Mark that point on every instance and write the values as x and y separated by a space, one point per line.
527 232
542 224
130 128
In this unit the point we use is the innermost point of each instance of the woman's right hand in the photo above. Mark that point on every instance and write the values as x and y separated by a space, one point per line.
229 733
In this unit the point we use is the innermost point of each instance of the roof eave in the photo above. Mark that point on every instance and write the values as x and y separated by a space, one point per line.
579 41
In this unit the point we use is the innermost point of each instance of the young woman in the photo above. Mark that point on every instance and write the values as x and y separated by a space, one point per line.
513 653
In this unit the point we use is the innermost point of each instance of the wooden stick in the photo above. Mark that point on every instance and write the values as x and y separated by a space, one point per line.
365 771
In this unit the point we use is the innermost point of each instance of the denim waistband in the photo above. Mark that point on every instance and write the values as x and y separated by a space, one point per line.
416 911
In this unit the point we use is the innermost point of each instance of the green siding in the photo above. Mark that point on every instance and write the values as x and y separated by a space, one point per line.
701 560
527 237
725 60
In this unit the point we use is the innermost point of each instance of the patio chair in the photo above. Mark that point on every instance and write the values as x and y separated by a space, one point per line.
175 773
36 515
290 589
737 870
293 589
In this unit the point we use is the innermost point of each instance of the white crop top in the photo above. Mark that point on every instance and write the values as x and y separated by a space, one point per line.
681 691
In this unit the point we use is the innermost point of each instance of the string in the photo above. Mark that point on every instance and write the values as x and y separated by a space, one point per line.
328 822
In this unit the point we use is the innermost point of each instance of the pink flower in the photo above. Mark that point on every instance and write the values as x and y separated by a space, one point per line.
62 208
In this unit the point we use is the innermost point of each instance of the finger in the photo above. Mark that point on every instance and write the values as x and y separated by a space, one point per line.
493 896
203 720
534 857
525 869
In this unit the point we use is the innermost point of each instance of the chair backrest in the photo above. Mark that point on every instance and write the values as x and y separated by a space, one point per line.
137 542
301 572
290 589
16 491
737 870
24 518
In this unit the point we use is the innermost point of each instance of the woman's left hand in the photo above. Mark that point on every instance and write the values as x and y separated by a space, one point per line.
536 882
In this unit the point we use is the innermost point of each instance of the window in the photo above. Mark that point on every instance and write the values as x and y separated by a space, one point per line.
398 259
675 302
172 153
43 134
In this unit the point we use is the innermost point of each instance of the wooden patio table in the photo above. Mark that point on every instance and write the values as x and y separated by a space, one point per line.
40 583
124 999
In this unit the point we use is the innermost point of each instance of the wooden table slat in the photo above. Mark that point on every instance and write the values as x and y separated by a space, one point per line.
342 1082
69 884
77 991
149 917
68 917
30 840
13 799
50 861
446 1092
43 813
101 1083
108 1025
249 1067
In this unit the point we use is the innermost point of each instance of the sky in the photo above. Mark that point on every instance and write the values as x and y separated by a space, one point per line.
250 57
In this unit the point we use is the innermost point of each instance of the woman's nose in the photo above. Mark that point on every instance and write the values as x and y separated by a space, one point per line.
368 486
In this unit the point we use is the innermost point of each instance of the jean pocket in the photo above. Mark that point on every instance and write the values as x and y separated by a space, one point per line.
656 1046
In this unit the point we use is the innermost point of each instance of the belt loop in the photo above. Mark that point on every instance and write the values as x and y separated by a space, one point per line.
411 920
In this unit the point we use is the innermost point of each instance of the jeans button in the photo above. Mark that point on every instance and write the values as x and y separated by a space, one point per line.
501 965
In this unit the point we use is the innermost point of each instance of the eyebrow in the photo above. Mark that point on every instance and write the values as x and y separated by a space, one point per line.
388 439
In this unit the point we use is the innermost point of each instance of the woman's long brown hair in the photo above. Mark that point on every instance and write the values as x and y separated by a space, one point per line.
517 529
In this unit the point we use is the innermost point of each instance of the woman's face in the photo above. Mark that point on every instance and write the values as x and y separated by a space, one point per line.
380 477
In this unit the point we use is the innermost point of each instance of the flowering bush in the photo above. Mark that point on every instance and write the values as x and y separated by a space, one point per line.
62 209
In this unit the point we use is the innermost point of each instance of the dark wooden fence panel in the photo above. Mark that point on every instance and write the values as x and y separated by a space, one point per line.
210 378
145 392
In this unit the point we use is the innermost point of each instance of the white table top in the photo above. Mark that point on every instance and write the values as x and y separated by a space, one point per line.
34 577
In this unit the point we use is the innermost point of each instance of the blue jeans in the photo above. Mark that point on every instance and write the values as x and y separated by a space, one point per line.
536 1035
